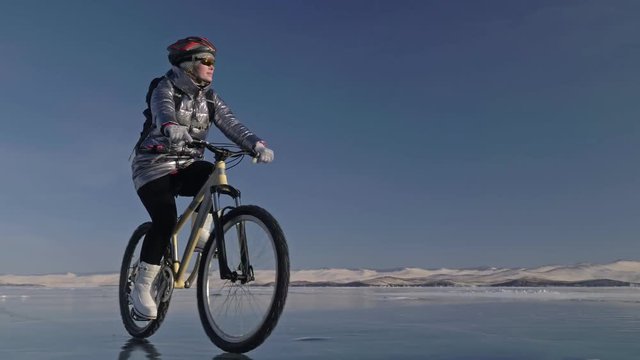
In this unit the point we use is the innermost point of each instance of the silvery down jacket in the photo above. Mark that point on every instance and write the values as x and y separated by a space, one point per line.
192 113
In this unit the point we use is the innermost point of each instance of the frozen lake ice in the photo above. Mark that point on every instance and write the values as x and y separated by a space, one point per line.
341 323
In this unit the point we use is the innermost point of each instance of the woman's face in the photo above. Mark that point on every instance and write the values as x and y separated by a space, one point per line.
204 68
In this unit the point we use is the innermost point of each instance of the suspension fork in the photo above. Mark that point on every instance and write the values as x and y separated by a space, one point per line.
225 272
245 266
246 271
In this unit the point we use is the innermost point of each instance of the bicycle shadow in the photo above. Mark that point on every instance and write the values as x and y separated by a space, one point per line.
145 347
134 345
231 356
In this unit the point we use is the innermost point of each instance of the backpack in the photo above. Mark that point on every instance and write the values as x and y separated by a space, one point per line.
177 99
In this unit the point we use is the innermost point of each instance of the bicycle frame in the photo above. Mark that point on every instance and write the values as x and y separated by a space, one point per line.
216 185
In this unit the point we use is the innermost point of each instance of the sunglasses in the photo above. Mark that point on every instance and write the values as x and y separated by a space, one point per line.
207 61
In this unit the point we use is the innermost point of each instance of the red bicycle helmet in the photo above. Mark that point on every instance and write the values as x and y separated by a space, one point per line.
183 49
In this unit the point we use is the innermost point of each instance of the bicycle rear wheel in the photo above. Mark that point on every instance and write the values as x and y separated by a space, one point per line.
163 287
238 317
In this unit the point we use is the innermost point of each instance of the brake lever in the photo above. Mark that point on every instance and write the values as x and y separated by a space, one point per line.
195 143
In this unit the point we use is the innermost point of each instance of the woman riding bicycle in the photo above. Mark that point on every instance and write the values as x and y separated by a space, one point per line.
163 167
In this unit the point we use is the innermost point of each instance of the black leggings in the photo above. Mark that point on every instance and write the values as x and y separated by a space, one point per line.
158 197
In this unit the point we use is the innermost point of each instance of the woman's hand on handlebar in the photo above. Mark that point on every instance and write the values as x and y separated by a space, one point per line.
262 153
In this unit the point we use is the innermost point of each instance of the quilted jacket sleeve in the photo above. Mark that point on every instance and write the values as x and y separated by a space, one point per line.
163 105
227 122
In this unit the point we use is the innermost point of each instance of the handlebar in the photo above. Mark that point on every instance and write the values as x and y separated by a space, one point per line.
221 153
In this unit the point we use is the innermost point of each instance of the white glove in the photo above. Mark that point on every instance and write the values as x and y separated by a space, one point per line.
265 155
177 133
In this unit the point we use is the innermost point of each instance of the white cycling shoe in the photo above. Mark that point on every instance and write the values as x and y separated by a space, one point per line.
144 305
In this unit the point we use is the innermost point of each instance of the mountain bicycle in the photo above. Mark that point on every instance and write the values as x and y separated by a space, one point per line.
241 272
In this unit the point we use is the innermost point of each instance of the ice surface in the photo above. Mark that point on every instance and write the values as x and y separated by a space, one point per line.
340 323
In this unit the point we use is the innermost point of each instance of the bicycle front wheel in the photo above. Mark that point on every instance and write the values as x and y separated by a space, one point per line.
238 316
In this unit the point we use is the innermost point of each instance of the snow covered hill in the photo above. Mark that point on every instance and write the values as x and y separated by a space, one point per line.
619 273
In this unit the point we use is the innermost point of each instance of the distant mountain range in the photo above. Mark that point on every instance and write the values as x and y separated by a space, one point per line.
619 273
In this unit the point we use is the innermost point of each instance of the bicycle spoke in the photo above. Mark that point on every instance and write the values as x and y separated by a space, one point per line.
239 308
239 314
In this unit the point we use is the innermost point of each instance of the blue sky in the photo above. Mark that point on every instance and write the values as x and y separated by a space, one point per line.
406 133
